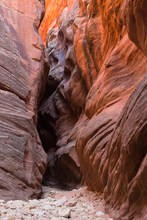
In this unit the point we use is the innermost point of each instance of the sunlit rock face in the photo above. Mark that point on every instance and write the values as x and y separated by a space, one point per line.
53 10
22 73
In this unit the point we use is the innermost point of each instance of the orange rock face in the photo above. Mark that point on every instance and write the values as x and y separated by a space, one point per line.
97 103
53 10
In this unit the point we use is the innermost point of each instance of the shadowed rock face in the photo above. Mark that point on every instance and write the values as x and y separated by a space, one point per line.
22 73
60 110
95 101
134 14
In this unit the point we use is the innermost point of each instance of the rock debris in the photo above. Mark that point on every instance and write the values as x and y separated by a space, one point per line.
55 204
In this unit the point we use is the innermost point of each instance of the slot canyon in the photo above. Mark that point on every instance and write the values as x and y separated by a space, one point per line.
73 105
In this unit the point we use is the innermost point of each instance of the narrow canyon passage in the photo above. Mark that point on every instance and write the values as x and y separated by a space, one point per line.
85 122
73 109
58 114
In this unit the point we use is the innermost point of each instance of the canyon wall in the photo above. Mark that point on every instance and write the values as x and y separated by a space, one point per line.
53 10
22 74
91 100
93 119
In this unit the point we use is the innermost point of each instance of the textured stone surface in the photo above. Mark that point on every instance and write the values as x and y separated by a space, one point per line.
91 99
134 14
22 159
127 156
56 205
56 117
53 10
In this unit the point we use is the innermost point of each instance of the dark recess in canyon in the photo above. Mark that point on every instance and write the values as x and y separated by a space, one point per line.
56 117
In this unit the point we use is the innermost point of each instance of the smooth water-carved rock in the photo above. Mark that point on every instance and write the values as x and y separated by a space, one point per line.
127 156
22 74
95 96
53 10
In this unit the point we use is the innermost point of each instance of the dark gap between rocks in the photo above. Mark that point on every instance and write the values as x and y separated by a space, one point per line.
62 172
56 114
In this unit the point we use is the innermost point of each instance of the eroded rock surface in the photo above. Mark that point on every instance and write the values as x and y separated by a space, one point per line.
22 71
56 116
95 96
135 14
53 10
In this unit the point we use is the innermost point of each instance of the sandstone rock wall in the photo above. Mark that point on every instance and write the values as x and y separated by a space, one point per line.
53 10
22 69
95 99
134 15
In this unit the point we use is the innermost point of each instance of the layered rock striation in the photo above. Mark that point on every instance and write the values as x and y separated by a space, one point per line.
94 106
22 74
